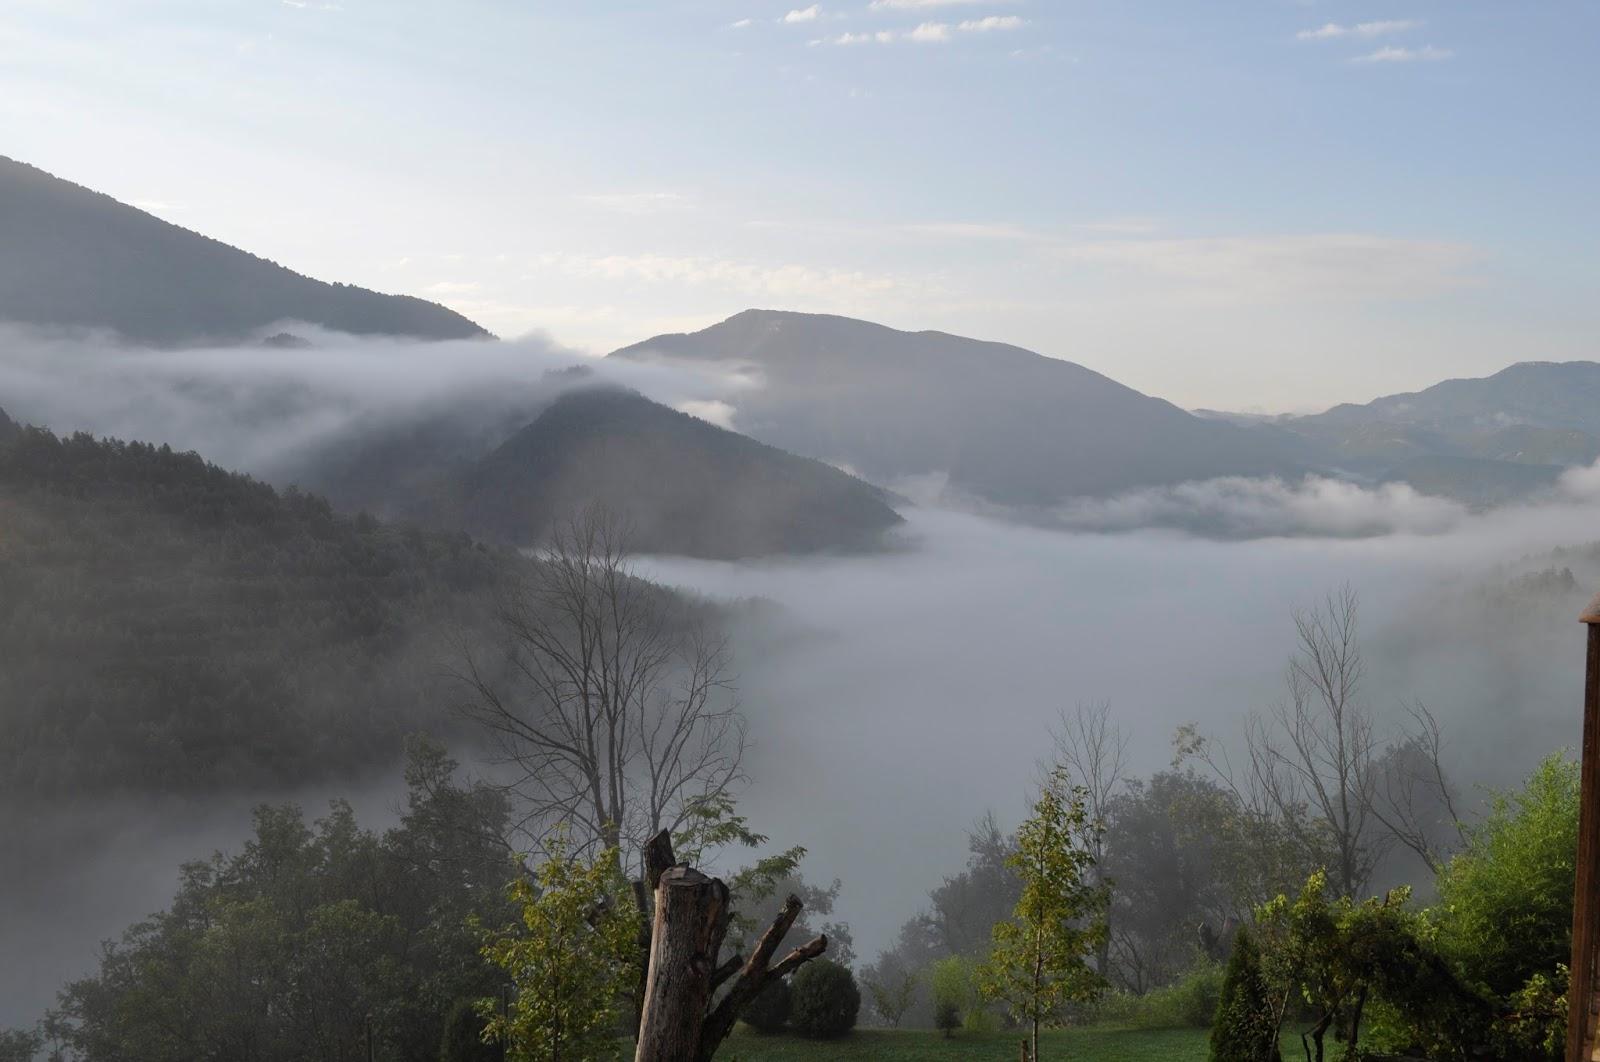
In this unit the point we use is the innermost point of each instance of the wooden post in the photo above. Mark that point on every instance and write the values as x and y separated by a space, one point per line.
1580 1031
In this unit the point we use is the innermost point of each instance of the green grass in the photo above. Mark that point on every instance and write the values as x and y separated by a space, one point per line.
884 1045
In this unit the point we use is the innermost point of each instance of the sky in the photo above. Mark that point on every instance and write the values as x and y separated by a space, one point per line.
1260 205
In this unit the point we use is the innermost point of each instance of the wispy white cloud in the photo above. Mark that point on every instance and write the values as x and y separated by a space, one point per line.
918 5
743 23
1391 54
789 281
973 230
637 202
1364 30
928 32
804 14
1256 269
993 22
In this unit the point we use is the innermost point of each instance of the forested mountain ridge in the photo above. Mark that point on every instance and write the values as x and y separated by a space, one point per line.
8 427
684 485
75 257
1533 413
170 626
1005 424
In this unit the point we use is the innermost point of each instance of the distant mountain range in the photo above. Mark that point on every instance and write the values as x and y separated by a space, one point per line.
73 257
8 427
1006 425
1484 441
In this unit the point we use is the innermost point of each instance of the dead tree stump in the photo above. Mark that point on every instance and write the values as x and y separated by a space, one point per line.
680 1019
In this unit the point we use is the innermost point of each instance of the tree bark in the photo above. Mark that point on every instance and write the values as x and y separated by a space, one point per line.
677 1022
691 918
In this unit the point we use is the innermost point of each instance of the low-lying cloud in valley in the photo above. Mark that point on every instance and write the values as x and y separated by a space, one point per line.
893 698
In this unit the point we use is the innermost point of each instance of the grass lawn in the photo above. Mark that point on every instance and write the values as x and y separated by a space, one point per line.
1067 1045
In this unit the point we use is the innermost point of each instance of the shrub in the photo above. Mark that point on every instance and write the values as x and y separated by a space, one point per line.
824 1000
463 1036
1244 1030
769 1011
947 1016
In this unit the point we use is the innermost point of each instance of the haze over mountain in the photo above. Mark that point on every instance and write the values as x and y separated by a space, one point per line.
77 258
1482 441
685 486
1006 425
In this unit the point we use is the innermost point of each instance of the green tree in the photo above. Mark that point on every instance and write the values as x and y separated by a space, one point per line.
892 994
1040 960
571 957
1246 1025
1505 902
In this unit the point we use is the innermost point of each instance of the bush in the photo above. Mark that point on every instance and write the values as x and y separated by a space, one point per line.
947 1016
463 1036
824 1000
1189 1004
769 1011
1245 1030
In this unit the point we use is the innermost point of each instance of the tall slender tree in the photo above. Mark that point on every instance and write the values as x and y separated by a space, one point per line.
1041 961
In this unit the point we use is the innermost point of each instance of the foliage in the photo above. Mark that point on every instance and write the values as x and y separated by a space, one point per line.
1245 1026
892 993
17 1045
1339 956
1190 1002
311 942
906 1045
571 958
825 1000
167 625
955 990
769 1010
1505 903
1039 961
463 1039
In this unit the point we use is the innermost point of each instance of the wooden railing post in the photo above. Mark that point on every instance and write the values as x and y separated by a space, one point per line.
1584 907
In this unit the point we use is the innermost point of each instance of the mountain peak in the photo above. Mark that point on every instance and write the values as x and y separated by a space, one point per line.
73 257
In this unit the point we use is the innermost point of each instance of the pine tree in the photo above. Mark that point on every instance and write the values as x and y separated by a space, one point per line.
1244 1029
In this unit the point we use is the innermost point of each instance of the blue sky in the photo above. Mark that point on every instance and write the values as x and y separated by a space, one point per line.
1257 204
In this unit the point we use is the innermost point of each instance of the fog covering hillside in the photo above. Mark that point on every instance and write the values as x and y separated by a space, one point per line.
171 627
1006 425
72 257
685 486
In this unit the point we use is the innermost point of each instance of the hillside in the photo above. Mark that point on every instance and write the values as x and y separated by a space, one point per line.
1004 424
8 428
74 257
1534 413
169 626
686 486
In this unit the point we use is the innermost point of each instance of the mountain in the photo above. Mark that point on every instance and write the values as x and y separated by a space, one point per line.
1475 481
1004 424
8 428
1535 413
686 486
74 257
170 626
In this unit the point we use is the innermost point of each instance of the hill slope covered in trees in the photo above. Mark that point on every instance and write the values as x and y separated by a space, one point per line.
74 257
684 485
170 626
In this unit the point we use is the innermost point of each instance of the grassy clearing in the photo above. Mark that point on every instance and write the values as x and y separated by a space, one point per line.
1067 1045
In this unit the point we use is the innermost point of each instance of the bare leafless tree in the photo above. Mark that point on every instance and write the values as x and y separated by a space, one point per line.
610 705
1313 757
1094 752
1415 800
